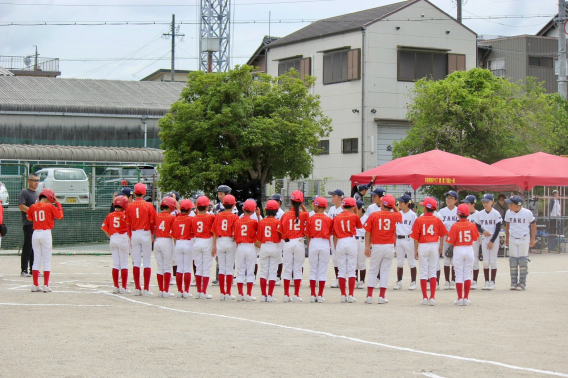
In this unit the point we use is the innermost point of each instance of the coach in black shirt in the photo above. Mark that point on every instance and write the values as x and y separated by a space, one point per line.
28 197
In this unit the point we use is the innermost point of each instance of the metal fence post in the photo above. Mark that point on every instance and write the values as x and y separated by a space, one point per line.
94 186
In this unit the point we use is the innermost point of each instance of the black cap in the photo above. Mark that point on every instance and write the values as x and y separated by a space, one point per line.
517 200
378 192
277 197
469 199
175 195
363 187
452 193
404 198
224 189
338 192
360 204
313 198
125 192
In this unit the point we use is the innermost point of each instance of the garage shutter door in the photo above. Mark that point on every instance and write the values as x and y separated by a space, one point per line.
385 137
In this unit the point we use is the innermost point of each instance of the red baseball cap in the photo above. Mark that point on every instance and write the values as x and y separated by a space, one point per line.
463 209
169 202
203 201
349 201
320 202
139 188
186 205
297 196
430 203
250 205
272 205
388 201
229 200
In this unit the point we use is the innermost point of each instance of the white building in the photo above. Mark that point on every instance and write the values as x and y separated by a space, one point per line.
366 63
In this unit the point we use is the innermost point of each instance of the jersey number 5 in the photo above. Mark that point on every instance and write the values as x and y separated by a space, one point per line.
116 222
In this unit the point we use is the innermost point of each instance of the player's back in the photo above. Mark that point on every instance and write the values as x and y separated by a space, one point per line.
244 230
292 227
269 230
181 227
140 215
319 226
223 224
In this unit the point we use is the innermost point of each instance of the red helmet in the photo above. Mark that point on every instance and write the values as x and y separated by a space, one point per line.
250 205
229 200
48 193
388 201
272 205
297 196
121 201
463 209
430 203
186 205
140 188
349 201
203 201
169 202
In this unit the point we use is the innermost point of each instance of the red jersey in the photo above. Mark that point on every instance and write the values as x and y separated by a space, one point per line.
382 226
202 226
182 227
269 230
346 224
140 215
1 213
319 226
291 228
164 222
244 230
115 223
463 233
428 229
223 224
44 214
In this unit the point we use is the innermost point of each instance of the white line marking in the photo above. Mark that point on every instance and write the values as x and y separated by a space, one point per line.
346 338
51 304
19 287
426 374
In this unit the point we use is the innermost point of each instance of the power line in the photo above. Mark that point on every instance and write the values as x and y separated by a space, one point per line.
160 5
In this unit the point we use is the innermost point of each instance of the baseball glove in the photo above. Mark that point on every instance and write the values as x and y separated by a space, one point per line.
449 252
3 230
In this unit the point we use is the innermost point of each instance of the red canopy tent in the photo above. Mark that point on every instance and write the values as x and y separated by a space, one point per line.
538 169
441 168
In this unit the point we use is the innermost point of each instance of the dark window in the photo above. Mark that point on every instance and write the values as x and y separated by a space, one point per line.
304 66
350 146
324 146
415 65
342 66
541 61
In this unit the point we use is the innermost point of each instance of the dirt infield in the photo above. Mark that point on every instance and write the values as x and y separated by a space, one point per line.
77 331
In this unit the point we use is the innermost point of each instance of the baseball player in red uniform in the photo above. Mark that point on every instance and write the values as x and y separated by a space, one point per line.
226 247
164 246
43 214
426 232
318 230
115 228
381 232
245 237
204 248
140 219
462 235
345 227
182 232
268 238
293 230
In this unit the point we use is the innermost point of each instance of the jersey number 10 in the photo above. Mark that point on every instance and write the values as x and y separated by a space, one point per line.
39 215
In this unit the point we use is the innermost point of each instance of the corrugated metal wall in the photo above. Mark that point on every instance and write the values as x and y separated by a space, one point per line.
543 47
513 50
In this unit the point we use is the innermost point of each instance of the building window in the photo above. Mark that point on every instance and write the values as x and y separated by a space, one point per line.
415 65
342 66
304 66
541 61
456 62
497 67
350 146
324 146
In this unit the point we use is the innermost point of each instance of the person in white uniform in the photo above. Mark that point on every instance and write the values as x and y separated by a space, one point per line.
404 243
376 196
278 198
490 221
449 216
360 237
470 201
336 198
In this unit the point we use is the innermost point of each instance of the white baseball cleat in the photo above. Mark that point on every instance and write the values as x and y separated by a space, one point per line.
361 285
466 302
250 298
36 289
160 294
447 285
378 285
521 287
491 285
412 286
222 297
263 298
115 290
313 299
206 296
486 286
513 287
369 300
351 299
198 295
398 285
452 285
270 298
320 299
383 300
240 298
343 299
137 293
335 285
46 289
147 293
166 294
278 281
187 295
230 297
124 291
458 302
297 299
473 285
286 299
425 302
432 302
180 294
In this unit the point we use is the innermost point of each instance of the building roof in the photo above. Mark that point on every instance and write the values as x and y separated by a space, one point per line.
80 153
163 71
42 94
265 41
549 25
5 72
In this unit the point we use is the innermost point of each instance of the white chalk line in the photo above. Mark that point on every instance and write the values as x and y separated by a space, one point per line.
321 333
428 374
51 304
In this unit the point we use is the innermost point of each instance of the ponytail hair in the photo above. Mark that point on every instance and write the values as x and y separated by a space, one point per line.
296 206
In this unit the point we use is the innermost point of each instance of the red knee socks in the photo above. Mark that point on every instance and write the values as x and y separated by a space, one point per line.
249 288
321 287
313 287
46 274
424 287
115 277
271 285
342 286
160 281
466 288
204 284
297 284
35 275
370 291
198 283
263 286
124 277
222 283
382 292
459 289
167 280
179 282
287 288
147 274
240 288
352 283
229 279
433 284
136 275
186 281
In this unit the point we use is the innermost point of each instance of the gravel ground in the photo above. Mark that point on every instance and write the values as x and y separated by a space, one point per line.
86 331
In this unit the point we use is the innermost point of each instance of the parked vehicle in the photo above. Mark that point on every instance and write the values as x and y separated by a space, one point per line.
4 196
71 185
115 178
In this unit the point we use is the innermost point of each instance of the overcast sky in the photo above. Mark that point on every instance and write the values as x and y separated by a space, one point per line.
73 42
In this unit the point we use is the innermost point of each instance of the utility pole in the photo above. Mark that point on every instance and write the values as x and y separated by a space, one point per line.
561 47
459 6
35 63
173 35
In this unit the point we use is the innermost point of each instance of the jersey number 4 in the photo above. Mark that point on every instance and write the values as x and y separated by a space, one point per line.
162 225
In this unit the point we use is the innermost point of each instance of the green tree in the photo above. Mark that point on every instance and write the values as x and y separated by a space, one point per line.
560 128
240 126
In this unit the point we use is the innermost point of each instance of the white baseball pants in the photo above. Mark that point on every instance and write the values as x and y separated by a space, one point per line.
475 247
380 261
226 249
463 262
202 249
246 259
447 260
42 245
405 247
163 252
270 256
518 247
141 244
318 256
119 249
428 258
361 258
489 255
184 256
346 257
293 259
